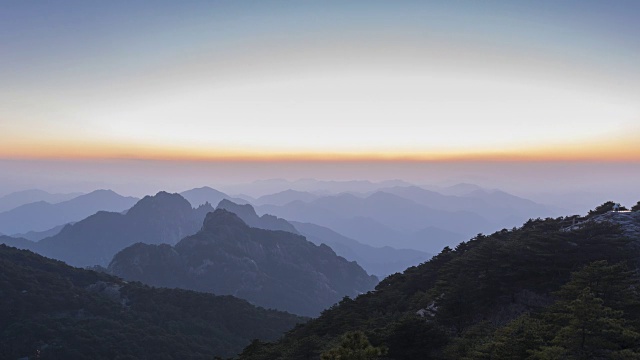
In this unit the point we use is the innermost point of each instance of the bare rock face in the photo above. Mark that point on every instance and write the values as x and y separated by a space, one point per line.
273 269
629 221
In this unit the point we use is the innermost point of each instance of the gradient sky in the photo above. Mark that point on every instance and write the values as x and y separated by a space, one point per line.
323 80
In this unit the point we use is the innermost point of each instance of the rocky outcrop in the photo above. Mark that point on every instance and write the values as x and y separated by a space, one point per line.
248 214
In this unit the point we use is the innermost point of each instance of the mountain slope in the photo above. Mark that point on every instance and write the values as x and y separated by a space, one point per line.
205 194
379 261
501 208
39 235
507 295
18 198
380 219
248 214
163 218
52 311
41 216
274 269
285 197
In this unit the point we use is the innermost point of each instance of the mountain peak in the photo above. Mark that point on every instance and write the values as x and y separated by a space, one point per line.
162 200
245 209
248 214
222 219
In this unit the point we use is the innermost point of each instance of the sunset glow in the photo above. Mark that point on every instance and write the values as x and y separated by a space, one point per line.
418 82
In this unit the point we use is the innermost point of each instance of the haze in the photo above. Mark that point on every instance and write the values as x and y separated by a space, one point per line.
534 97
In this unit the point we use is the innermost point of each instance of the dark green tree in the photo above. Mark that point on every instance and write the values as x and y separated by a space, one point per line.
604 208
354 345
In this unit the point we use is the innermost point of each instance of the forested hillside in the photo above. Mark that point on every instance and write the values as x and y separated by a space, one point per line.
49 310
560 288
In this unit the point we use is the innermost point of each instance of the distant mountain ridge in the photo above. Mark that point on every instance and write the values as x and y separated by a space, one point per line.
39 235
273 269
270 186
411 216
18 198
42 216
202 195
163 218
285 197
248 214
379 261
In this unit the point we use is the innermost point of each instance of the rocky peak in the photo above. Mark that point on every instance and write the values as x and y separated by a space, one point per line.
241 210
248 214
160 203
222 219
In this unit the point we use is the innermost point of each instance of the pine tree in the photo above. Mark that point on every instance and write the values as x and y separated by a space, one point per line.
354 345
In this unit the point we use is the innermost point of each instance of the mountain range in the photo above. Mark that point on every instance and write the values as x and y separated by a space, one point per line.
202 195
15 199
273 269
409 216
379 261
163 218
42 216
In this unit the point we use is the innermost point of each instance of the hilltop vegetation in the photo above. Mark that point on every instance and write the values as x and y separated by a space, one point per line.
552 289
49 310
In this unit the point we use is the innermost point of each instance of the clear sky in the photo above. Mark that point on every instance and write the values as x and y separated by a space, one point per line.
320 80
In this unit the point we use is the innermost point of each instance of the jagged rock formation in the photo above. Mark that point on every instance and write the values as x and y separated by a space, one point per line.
248 214
273 269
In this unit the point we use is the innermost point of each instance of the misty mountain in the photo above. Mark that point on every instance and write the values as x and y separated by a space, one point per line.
39 235
379 261
15 199
205 194
18 242
163 218
52 311
285 197
501 208
41 215
380 219
459 189
248 214
270 186
273 269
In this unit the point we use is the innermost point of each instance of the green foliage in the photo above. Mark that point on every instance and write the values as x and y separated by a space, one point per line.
584 323
353 345
514 294
70 313
604 208
636 207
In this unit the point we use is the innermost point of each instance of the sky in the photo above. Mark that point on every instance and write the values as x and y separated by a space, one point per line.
307 82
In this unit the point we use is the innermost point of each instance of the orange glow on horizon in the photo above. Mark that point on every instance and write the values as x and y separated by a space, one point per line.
618 150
